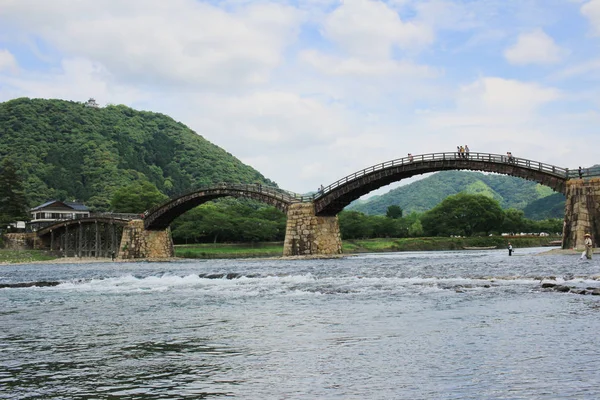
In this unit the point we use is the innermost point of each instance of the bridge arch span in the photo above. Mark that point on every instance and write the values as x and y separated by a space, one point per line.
72 223
161 216
332 199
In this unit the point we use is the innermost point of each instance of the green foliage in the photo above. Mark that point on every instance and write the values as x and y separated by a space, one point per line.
416 229
441 243
13 202
394 211
463 214
355 225
552 206
226 221
136 198
458 215
24 256
67 151
424 194
514 221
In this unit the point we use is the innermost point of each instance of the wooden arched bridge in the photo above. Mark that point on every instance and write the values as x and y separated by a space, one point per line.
96 236
312 226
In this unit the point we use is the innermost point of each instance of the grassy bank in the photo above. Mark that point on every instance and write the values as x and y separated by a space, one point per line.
24 256
229 250
440 243
249 250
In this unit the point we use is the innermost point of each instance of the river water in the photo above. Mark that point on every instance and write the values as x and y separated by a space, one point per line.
415 325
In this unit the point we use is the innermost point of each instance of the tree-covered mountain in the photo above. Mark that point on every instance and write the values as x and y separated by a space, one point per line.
65 150
552 206
510 192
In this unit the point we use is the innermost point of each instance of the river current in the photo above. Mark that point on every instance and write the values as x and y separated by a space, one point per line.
414 325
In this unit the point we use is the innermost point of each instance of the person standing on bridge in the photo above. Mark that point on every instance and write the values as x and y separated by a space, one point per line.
510 157
466 151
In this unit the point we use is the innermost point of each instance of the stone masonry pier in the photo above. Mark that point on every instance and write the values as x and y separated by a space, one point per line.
308 234
138 242
582 212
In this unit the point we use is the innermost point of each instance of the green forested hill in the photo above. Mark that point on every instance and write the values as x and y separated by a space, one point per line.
426 193
65 150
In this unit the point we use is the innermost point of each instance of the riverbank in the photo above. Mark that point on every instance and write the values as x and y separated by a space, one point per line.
275 249
443 243
568 252
9 256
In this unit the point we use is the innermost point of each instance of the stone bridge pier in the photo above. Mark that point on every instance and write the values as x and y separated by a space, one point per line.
137 242
308 234
582 212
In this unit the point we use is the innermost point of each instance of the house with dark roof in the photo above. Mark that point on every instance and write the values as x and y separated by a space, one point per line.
54 210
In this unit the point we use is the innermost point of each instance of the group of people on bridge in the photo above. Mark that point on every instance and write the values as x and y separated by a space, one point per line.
462 151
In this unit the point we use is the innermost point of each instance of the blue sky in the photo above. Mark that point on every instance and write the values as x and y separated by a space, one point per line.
309 91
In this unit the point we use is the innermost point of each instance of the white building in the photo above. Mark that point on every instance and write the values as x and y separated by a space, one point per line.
92 103
54 210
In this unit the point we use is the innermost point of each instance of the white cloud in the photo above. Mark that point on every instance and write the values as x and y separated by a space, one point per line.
331 65
76 79
443 14
7 61
591 10
367 28
589 69
534 47
496 115
181 42
502 96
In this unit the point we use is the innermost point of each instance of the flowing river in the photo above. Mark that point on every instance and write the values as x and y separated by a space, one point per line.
415 325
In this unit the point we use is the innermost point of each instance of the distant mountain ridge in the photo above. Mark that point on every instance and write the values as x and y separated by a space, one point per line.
66 150
537 201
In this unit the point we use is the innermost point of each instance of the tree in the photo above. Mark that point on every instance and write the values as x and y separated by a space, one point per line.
355 225
13 201
514 221
384 226
463 214
136 198
415 229
394 212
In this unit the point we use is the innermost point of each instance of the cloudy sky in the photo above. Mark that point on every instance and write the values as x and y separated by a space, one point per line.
309 91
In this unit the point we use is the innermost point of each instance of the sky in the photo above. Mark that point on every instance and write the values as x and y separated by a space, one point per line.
310 91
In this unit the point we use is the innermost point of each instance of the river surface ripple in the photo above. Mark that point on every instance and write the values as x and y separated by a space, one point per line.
418 325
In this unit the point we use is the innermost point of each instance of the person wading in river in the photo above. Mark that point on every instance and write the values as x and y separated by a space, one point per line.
510 249
588 246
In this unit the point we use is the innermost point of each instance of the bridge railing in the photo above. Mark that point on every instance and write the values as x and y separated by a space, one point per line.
584 173
128 216
471 156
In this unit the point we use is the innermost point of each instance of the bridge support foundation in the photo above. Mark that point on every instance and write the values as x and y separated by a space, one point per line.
582 212
138 242
308 234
